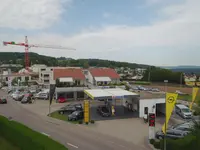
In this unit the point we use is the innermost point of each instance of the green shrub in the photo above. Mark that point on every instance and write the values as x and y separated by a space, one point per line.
157 144
80 121
152 141
92 121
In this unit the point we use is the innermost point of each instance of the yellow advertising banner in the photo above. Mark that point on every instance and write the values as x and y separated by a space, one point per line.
170 102
190 83
86 111
194 94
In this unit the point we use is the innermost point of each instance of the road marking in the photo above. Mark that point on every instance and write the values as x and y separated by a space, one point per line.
72 145
45 134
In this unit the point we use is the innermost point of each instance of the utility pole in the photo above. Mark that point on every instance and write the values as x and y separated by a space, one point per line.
149 76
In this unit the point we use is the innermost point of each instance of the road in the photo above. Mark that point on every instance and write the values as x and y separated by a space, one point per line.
72 136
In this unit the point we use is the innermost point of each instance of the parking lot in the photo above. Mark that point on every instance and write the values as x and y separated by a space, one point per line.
124 125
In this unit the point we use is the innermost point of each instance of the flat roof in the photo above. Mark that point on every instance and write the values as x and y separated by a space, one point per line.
109 93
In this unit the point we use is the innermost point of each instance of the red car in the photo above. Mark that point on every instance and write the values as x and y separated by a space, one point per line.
62 100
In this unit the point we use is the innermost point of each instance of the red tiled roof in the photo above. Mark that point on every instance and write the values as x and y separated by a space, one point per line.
104 72
69 72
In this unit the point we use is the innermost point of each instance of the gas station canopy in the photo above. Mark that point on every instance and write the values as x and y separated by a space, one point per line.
109 93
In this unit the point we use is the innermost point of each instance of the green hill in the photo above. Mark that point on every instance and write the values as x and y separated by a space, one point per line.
16 57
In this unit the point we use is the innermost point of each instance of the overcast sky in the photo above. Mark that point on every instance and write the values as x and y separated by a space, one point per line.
156 32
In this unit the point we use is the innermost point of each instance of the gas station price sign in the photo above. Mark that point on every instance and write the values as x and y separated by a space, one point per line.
152 118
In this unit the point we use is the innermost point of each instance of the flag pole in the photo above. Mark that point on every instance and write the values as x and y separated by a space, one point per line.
165 138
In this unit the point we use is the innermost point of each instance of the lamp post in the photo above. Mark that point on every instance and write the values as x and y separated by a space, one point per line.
165 142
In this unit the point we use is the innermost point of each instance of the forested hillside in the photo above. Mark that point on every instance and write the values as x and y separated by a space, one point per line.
14 57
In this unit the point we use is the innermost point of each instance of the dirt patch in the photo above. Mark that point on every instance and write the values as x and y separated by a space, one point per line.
172 89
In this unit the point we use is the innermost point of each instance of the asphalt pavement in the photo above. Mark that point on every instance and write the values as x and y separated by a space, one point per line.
72 136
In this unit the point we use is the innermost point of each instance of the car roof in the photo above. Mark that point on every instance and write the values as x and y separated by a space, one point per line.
181 106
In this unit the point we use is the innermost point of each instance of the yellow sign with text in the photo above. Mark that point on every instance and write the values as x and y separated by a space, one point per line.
194 94
86 111
170 103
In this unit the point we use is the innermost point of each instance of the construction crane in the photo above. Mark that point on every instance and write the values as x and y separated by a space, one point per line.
27 46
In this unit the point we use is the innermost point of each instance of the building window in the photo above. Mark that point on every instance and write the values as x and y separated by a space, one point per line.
43 69
70 95
26 78
46 81
51 69
146 110
46 75
80 94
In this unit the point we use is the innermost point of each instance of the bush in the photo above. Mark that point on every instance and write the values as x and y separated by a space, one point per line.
157 144
80 121
152 141
86 123
92 121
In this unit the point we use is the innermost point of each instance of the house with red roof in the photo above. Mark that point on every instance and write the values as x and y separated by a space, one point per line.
71 76
102 76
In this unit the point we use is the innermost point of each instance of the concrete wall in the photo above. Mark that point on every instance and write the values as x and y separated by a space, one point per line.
149 103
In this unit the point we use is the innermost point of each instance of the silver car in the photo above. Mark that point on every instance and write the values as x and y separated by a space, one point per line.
172 134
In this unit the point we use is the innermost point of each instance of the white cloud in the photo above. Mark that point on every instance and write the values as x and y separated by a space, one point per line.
30 14
151 44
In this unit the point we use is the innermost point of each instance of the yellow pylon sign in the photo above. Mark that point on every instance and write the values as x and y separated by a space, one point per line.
86 111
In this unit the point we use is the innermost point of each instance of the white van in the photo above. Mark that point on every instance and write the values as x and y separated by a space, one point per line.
183 111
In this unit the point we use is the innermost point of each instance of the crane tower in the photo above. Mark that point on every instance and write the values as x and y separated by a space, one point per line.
27 46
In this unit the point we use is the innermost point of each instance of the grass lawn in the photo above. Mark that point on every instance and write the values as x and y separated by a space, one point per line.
185 97
61 117
6 145
16 136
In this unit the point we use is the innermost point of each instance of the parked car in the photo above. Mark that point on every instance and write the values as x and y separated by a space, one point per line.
155 90
19 97
172 134
76 115
27 99
3 100
103 111
186 126
42 95
70 108
183 111
62 100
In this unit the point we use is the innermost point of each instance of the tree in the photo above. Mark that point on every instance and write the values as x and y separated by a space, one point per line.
86 65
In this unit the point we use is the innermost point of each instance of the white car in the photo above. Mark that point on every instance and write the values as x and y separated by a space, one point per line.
42 95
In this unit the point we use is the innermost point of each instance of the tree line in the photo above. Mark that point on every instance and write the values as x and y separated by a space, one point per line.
155 74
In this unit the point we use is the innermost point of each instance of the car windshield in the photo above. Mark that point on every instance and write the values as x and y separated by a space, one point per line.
185 110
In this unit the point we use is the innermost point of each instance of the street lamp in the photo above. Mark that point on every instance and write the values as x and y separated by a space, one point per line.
165 142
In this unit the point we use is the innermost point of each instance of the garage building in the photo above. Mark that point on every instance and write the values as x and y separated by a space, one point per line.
156 106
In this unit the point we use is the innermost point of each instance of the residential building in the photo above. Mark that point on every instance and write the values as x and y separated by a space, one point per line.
102 76
69 76
38 67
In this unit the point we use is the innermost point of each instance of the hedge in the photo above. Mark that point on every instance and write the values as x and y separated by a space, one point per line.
26 138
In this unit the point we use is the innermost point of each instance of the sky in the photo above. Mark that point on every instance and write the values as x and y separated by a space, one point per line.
154 32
